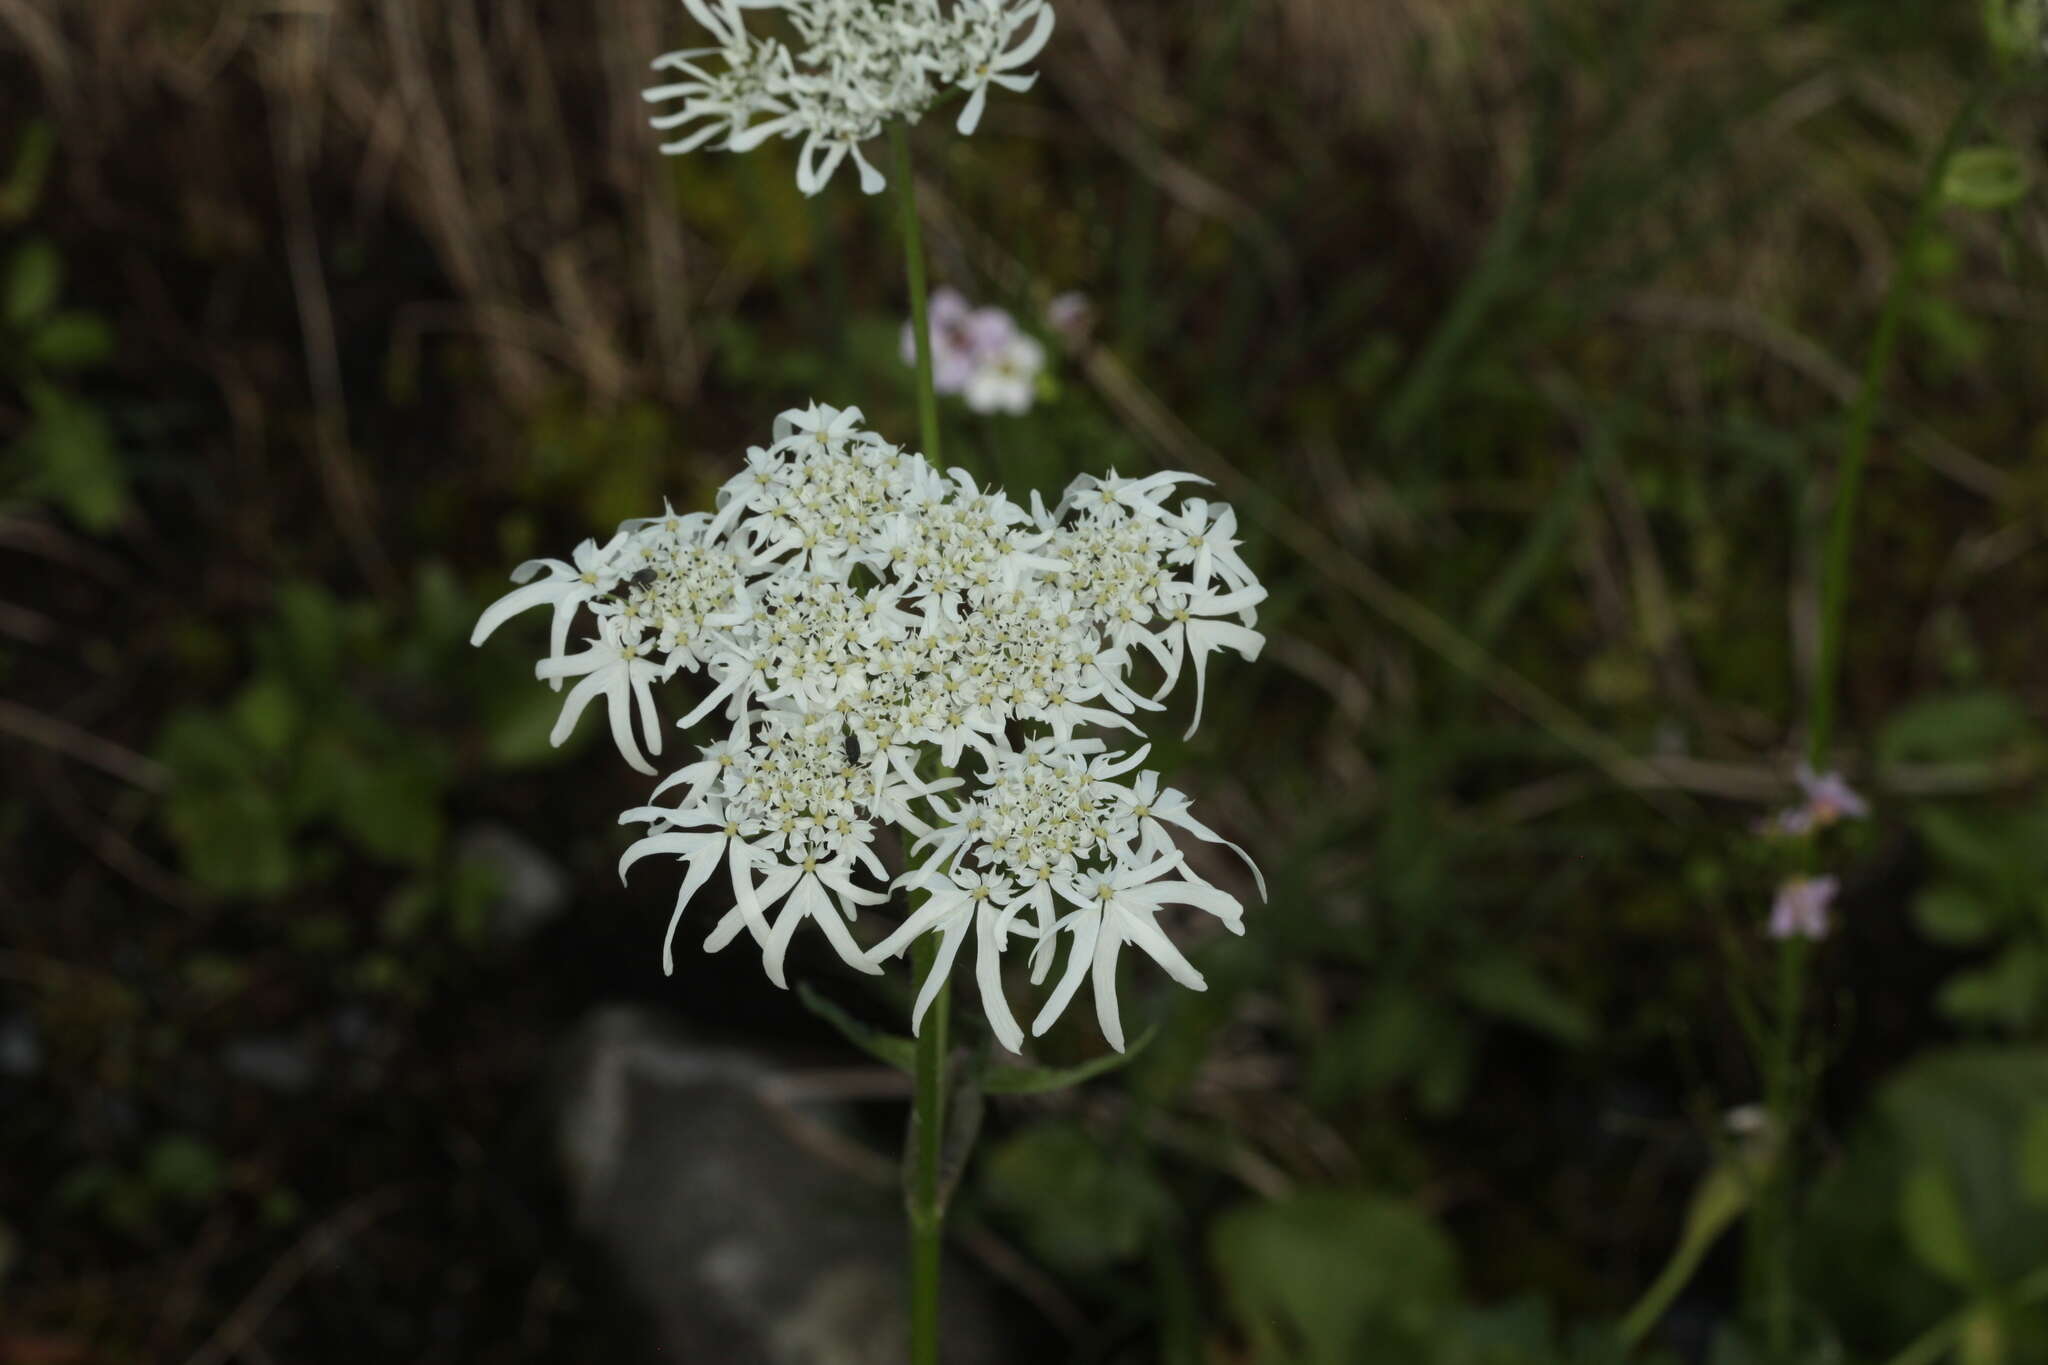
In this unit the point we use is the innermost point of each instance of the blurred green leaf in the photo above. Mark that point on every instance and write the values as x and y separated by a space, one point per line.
1985 178
71 341
1962 1113
23 189
2007 993
1932 1218
2034 1154
233 836
890 1048
1954 915
1506 986
71 450
1378 1045
1959 728
1079 1203
1334 1278
268 714
184 1169
2014 29
1039 1080
35 274
519 721
391 807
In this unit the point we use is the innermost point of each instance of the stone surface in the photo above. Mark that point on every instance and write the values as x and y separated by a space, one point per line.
532 888
744 1243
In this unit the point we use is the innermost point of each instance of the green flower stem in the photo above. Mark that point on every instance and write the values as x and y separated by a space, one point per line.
920 323
1856 450
927 1138
1785 1066
922 1177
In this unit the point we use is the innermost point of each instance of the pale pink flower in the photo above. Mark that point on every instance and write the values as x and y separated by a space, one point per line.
1801 908
1827 799
965 339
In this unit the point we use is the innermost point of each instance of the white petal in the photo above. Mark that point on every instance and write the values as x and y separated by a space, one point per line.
1104 974
1085 931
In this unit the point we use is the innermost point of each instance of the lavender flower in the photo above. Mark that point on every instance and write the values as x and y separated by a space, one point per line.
1826 799
1801 908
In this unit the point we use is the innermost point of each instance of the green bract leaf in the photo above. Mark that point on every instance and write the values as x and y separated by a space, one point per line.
891 1048
1987 178
1038 1080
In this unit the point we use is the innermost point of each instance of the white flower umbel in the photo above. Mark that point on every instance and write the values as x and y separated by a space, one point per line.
857 618
843 69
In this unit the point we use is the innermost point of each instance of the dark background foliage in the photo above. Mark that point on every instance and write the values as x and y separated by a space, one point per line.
1522 335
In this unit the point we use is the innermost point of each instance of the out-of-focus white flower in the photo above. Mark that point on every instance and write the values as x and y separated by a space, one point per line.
1071 315
964 339
852 612
980 354
1007 378
839 73
1801 908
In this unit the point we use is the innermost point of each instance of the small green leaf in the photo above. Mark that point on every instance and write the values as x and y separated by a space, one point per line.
184 1168
1931 1216
2034 1154
267 714
77 465
1039 1080
1985 178
2014 28
23 189
891 1048
1954 915
71 341
34 275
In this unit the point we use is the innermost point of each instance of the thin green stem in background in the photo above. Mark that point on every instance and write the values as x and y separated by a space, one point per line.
1856 448
920 322
1784 1079
927 1138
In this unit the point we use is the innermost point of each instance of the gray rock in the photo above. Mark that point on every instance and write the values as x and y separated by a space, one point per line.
21 1046
743 1242
532 887
281 1064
